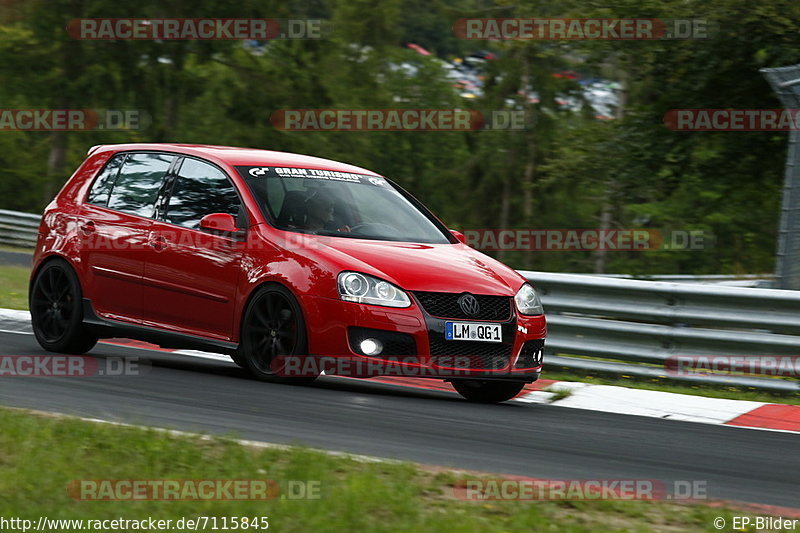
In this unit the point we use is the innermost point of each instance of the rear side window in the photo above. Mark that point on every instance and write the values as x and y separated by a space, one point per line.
101 189
138 183
200 189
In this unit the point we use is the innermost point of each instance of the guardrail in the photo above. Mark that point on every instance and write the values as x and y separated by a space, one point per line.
763 281
635 324
647 322
18 229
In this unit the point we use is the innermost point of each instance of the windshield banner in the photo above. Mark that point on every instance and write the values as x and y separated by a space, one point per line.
309 173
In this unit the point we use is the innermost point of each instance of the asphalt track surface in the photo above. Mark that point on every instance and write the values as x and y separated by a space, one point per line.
22 259
431 427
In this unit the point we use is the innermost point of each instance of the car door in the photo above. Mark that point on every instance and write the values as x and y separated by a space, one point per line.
191 276
114 225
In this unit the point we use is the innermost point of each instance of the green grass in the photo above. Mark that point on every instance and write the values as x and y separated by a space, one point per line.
734 393
14 287
40 455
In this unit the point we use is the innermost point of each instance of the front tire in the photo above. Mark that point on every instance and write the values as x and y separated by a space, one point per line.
487 391
273 327
56 303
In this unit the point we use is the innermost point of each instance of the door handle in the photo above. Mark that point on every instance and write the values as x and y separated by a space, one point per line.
158 243
88 227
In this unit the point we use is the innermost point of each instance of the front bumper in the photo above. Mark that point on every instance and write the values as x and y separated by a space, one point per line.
332 323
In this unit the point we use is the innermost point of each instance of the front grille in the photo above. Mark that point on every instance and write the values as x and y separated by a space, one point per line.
396 346
445 305
470 354
531 354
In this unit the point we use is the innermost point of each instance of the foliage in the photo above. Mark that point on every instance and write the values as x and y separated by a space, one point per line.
566 171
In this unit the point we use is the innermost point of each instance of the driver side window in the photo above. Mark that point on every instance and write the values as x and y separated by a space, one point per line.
199 190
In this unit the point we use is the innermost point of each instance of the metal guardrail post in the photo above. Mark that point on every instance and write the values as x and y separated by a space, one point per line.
785 81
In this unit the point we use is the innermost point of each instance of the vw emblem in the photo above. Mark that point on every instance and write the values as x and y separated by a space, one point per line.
469 304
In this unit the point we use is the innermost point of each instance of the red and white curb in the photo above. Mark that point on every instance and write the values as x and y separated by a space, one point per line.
577 395
672 406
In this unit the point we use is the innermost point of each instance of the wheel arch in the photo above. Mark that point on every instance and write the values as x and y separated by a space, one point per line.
46 260
280 282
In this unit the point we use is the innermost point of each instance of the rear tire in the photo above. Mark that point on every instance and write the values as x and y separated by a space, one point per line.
487 391
56 303
272 326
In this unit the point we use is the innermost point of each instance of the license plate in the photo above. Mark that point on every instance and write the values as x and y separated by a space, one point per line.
472 331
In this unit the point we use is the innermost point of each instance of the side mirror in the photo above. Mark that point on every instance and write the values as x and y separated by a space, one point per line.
460 236
219 222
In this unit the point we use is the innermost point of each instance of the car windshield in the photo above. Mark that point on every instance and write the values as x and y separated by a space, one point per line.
340 204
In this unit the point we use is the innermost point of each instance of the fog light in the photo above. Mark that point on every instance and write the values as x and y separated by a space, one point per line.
371 346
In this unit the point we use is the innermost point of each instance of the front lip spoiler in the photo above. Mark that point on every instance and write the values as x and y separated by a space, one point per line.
527 378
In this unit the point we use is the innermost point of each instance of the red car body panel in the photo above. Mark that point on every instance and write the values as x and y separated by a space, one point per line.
150 273
191 284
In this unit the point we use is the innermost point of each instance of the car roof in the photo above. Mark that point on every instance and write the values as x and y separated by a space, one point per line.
234 156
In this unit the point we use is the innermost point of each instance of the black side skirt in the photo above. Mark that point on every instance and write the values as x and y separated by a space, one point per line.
106 328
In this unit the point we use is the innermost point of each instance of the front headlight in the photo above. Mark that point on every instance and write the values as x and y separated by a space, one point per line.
364 289
527 301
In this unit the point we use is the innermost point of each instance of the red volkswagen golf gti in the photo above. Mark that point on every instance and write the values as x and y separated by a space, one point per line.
292 265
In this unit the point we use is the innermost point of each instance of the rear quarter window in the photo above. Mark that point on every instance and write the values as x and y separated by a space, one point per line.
136 188
101 188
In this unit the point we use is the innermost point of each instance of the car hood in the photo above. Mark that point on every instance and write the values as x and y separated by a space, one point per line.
424 267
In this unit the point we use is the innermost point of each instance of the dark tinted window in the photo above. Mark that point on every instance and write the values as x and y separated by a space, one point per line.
200 189
138 183
105 181
340 204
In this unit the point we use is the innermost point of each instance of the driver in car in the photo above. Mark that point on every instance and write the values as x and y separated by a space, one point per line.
319 213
